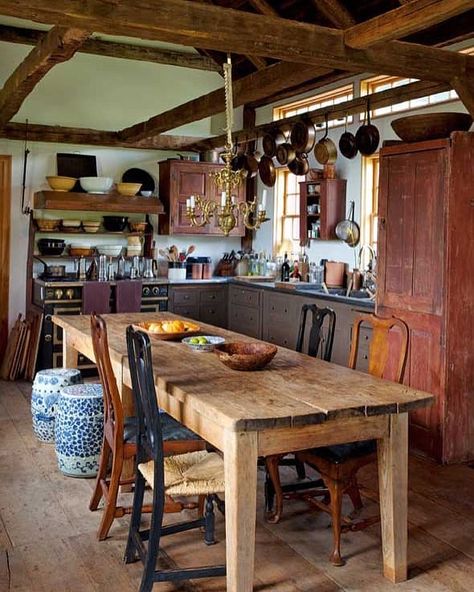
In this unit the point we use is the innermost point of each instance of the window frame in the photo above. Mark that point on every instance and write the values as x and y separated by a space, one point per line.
370 200
280 242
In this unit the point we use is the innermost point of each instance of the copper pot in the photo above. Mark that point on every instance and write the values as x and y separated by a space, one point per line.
271 141
367 136
334 276
285 153
303 136
251 166
325 150
300 165
267 171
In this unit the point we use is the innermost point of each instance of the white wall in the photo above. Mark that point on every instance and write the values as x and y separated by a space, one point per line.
346 169
111 162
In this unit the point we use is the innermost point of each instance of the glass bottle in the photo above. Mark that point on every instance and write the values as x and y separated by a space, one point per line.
295 274
285 269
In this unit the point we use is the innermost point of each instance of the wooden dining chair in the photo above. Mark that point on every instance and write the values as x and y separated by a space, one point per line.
119 440
192 474
320 344
338 465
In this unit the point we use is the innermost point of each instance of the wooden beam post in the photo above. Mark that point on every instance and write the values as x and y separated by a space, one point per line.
405 20
464 86
57 46
238 31
113 49
251 87
335 12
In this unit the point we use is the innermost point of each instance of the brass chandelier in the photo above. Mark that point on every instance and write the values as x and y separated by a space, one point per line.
227 213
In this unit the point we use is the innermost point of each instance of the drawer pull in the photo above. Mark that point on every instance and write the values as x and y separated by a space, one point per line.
48 338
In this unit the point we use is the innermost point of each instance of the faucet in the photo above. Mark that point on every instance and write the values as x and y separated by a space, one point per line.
370 277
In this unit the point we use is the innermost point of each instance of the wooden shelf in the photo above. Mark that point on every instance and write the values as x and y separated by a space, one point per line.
110 202
91 234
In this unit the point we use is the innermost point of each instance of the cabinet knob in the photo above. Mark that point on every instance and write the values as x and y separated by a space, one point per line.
48 338
382 222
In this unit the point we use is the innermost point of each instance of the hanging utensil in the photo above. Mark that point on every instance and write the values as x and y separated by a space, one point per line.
285 153
267 171
367 136
303 136
348 143
25 209
325 150
300 165
271 141
348 230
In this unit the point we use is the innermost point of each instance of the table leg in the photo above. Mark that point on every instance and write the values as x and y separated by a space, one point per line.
70 353
393 485
240 460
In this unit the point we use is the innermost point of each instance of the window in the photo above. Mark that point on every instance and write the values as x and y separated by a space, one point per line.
287 212
370 194
333 97
380 83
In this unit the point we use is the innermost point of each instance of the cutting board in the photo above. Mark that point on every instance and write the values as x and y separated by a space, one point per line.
12 346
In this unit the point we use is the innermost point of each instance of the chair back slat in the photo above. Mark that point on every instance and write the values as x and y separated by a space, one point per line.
113 410
321 339
150 435
379 348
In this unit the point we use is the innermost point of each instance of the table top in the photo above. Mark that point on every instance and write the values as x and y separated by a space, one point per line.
293 390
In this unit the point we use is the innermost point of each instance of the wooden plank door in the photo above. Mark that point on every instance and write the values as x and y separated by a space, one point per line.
5 199
411 230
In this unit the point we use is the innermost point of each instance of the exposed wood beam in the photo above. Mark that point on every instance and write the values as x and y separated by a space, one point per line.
73 135
385 98
114 49
225 29
57 46
254 86
465 89
335 12
264 7
403 21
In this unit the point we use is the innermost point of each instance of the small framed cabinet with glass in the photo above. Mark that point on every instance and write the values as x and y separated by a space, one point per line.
322 206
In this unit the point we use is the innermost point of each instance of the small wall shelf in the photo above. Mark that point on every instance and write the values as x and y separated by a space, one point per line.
110 202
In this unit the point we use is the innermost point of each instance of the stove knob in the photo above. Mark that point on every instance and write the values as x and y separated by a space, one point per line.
58 294
155 291
146 291
70 293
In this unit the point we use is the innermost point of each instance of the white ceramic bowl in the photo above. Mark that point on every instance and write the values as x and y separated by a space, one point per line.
71 223
212 341
146 193
109 250
96 184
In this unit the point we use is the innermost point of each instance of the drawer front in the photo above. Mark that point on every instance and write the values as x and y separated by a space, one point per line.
279 336
245 296
185 296
187 310
213 314
245 319
213 295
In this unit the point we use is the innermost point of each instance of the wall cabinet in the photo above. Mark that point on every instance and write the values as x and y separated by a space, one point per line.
178 180
426 238
207 304
327 197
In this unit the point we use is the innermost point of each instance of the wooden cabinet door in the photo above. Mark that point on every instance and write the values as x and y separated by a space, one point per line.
411 230
188 179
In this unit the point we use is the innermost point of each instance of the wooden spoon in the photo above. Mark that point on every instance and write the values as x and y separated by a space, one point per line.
165 254
190 250
174 253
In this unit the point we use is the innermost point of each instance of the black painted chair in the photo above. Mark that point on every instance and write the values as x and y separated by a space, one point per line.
320 344
192 474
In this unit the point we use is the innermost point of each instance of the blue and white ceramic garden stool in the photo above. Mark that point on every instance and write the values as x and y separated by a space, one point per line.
79 429
46 388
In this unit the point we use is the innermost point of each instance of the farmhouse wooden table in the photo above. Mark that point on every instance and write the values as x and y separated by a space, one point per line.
297 402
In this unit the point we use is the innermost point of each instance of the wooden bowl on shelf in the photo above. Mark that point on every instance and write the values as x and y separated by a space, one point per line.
61 183
430 126
128 189
80 251
245 356
46 225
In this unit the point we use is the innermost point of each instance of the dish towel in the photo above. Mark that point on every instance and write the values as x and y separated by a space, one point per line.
96 297
128 296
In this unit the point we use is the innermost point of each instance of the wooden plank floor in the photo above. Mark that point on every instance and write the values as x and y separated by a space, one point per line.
47 534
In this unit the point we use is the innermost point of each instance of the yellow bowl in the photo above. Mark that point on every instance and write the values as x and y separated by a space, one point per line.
128 189
61 183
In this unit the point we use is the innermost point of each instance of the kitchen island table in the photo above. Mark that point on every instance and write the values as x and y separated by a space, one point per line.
297 402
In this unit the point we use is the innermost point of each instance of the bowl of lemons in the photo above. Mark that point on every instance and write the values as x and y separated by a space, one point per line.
173 329
203 343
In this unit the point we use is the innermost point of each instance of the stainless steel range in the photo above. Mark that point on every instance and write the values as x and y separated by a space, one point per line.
64 297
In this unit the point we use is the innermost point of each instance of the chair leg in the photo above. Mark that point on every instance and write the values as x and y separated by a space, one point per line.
336 490
209 528
269 492
201 503
134 526
354 493
300 469
111 501
274 473
153 543
102 474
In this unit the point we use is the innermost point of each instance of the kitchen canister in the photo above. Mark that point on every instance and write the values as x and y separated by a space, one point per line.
79 429
177 270
46 388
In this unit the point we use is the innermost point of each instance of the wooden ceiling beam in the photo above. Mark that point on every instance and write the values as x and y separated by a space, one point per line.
237 31
254 86
113 49
404 20
264 7
335 12
59 45
73 135
385 98
465 89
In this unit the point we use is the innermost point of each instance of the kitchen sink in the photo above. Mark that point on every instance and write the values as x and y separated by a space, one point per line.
357 294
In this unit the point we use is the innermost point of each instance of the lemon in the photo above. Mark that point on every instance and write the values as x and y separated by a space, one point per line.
194 340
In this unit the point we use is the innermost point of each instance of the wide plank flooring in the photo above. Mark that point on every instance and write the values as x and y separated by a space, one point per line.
48 544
